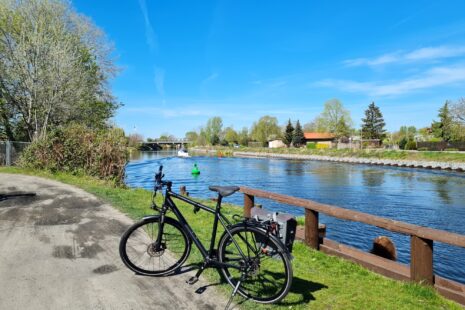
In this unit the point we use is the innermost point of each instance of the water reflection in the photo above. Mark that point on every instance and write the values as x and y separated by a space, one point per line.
335 174
373 177
441 185
423 197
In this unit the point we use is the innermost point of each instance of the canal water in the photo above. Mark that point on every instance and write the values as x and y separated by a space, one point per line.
429 198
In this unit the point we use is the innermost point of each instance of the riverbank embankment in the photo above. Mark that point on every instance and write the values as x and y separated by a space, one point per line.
358 160
426 160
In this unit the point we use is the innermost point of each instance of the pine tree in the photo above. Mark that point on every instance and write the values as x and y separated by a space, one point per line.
298 137
288 134
443 128
373 123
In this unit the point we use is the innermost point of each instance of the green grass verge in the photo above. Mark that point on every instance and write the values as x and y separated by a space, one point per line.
320 281
375 153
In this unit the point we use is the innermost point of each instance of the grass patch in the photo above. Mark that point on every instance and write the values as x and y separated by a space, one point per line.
320 281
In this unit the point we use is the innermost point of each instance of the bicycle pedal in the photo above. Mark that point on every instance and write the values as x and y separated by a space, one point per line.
192 280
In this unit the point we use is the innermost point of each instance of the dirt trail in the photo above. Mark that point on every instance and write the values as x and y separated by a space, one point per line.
59 250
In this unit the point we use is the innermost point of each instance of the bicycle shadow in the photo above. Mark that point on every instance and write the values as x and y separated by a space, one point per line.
304 288
301 287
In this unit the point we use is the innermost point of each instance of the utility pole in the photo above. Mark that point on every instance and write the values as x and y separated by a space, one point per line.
361 139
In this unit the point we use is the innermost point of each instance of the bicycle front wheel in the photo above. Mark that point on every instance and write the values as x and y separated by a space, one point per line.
141 253
261 261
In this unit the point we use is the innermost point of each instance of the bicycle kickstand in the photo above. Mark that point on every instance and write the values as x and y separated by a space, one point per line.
233 294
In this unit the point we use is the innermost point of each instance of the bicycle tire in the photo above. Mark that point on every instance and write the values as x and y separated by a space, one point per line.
140 240
270 260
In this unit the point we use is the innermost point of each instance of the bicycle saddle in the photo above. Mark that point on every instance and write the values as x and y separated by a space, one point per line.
224 191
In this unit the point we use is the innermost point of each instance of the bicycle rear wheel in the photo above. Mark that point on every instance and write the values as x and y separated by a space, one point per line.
265 270
141 253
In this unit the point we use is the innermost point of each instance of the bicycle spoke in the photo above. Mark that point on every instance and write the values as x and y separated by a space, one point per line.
143 254
267 274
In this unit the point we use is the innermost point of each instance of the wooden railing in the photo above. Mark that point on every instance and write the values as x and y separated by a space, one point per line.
421 240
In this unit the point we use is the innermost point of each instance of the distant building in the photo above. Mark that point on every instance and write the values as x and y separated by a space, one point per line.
276 144
321 137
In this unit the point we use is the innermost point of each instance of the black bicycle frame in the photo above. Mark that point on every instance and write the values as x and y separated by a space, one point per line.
208 256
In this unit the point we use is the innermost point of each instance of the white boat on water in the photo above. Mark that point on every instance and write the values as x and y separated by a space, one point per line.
183 153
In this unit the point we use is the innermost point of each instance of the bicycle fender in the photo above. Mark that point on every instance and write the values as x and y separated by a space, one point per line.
153 216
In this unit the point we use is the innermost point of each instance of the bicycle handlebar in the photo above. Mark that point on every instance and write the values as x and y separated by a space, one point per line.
159 183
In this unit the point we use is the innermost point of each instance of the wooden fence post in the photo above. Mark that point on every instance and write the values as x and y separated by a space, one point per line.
248 204
311 229
421 260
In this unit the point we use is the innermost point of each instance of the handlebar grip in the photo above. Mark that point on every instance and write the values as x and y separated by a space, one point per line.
159 175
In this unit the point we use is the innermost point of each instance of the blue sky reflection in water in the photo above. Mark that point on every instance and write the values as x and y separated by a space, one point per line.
429 198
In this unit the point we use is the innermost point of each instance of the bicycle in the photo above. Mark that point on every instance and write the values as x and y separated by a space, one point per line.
249 255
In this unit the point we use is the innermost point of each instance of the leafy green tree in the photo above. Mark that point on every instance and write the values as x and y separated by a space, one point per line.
342 128
213 130
202 137
166 137
54 68
334 118
373 123
288 133
403 142
443 128
230 135
265 129
192 137
243 136
298 138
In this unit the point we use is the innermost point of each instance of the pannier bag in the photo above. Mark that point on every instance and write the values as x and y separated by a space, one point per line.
285 224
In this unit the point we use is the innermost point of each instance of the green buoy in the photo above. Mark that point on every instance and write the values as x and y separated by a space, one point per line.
195 170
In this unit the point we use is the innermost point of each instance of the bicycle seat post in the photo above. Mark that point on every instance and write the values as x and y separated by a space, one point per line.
218 201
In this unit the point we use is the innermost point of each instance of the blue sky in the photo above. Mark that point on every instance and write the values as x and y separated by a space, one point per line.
186 61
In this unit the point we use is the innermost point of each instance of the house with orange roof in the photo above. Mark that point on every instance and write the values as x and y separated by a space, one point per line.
319 137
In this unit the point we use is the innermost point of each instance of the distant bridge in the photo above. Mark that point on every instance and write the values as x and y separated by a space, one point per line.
158 144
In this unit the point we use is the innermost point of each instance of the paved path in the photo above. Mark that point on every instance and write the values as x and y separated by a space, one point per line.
59 250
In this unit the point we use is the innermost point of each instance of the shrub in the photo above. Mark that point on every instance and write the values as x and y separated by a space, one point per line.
402 143
311 145
322 146
410 145
77 149
422 149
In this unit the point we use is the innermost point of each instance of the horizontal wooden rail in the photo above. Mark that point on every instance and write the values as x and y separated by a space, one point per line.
421 241
351 215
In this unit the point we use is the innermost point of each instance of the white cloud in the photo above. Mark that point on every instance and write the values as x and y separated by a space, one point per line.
381 60
159 80
439 76
435 53
150 35
422 54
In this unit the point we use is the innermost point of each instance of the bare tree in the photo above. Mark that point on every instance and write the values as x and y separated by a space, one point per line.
53 62
458 110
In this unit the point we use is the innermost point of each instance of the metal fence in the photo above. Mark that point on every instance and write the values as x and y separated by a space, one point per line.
441 146
10 151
